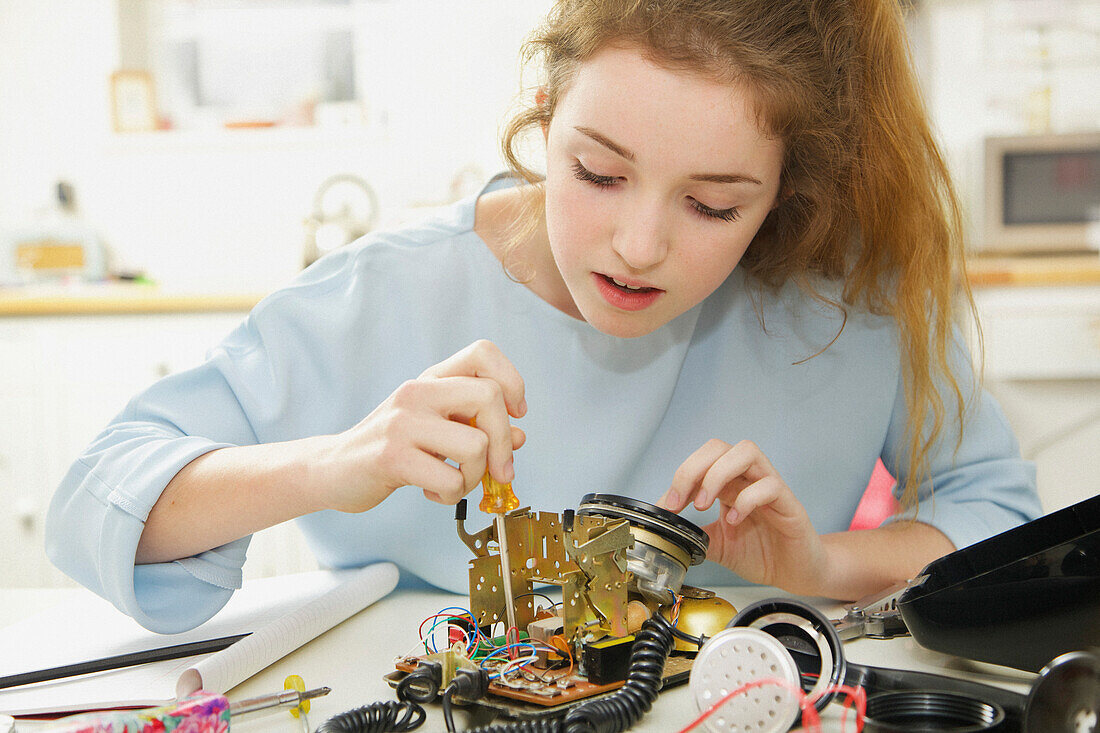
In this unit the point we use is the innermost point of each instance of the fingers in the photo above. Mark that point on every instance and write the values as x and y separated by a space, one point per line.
769 492
483 360
740 477
518 438
714 468
476 385
738 467
460 401
689 476
466 446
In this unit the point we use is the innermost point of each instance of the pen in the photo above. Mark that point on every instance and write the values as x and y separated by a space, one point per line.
119 661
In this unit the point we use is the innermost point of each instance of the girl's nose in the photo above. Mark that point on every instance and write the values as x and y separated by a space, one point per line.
641 238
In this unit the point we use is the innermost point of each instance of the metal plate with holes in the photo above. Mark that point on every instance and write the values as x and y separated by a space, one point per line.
741 656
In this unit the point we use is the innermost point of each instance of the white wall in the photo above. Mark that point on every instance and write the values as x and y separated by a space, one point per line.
224 210
981 70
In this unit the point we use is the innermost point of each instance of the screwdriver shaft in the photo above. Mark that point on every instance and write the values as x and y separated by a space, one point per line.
291 698
506 574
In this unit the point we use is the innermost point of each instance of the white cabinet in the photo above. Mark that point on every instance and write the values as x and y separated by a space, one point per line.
63 379
1042 363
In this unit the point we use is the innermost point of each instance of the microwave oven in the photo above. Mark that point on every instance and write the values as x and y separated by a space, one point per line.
1042 193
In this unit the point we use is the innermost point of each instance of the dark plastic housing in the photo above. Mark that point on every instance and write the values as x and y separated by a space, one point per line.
1020 598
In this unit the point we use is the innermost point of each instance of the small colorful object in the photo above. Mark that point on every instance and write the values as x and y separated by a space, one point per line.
200 712
294 682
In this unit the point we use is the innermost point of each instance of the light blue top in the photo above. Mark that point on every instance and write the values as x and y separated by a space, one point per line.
605 415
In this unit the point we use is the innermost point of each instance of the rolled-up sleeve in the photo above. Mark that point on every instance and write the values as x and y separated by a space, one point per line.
98 512
977 486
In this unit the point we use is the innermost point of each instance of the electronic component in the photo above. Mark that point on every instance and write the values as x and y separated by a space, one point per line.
578 647
665 544
701 614
810 637
607 660
1064 697
875 616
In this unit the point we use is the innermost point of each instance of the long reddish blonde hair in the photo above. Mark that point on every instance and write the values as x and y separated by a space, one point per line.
869 200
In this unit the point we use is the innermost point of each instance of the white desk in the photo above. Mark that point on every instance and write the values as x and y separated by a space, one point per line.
352 658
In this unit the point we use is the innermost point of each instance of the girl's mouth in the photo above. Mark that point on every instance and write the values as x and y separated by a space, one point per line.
624 296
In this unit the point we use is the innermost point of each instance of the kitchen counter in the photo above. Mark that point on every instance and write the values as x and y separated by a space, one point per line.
117 298
986 271
125 298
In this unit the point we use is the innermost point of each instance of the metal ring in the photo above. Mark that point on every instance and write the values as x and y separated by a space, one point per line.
672 527
775 615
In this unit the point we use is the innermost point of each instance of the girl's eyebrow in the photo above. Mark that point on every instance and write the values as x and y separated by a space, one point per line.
606 142
625 153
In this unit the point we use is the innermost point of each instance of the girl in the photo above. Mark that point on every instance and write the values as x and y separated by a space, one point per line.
733 289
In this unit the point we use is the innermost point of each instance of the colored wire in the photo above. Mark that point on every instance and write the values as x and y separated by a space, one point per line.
515 665
443 617
618 710
552 602
811 721
532 656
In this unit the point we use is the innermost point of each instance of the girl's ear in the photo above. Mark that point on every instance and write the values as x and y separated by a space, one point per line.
785 192
541 99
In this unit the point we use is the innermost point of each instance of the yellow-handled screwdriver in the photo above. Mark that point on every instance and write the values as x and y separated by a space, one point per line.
498 499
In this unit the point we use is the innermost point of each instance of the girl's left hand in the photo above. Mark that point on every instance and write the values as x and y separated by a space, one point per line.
763 533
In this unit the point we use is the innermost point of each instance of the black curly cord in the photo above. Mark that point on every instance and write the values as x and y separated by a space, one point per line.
419 686
622 708
416 687
537 725
378 717
629 703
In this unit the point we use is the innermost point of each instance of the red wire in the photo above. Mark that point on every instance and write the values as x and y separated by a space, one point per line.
810 718
478 636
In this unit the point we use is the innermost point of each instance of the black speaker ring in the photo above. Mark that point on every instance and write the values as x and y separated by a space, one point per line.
662 522
755 613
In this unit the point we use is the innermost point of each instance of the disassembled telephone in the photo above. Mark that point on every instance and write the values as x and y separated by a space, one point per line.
620 564
617 561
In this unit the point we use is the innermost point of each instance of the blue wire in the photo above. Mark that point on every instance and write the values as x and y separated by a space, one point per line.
471 644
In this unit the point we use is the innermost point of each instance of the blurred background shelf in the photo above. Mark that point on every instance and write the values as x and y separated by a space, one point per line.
117 299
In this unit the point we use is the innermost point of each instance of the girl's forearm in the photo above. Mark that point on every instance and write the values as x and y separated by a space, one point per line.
229 493
866 561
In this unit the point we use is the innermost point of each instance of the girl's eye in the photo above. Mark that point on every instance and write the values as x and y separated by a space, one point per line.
730 214
595 179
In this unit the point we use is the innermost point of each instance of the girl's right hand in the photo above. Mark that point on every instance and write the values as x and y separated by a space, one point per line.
407 439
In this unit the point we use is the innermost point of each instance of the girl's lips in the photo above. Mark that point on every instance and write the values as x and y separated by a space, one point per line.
624 298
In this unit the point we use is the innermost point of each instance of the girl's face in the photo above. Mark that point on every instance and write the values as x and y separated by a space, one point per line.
656 182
